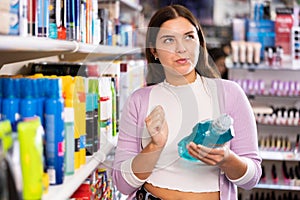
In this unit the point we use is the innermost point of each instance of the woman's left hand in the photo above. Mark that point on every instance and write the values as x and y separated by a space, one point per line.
211 156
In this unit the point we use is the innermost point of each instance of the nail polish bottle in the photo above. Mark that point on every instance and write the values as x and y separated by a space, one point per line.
292 88
285 174
278 143
285 117
274 175
296 118
262 143
273 196
292 177
262 196
279 116
283 144
285 196
288 144
280 88
259 118
265 118
296 148
256 196
251 197
297 176
268 197
295 197
286 88
263 178
289 195
273 143
268 143
273 118
291 115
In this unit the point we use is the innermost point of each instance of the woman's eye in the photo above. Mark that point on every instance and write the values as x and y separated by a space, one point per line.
189 37
168 40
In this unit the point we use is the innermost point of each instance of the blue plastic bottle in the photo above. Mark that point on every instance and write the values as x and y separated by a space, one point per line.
10 103
27 101
39 95
54 131
210 133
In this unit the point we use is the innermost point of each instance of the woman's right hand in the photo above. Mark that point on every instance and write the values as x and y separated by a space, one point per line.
157 127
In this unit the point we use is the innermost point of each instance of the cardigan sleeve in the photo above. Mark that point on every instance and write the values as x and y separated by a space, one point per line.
245 142
129 141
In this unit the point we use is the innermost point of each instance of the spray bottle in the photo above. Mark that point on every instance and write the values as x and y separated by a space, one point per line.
10 103
54 131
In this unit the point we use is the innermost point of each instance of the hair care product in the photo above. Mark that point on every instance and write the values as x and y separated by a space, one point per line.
54 129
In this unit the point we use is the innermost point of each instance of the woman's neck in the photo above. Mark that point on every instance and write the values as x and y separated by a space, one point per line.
177 80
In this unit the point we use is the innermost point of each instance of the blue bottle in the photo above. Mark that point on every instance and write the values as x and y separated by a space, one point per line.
54 131
210 133
10 102
27 101
39 96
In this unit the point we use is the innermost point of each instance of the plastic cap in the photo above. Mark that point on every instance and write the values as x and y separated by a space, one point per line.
55 88
8 88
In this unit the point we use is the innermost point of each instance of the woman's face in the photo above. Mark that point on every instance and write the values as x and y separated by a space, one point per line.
177 46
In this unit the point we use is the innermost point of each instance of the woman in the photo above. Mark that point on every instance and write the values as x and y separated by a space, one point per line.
185 90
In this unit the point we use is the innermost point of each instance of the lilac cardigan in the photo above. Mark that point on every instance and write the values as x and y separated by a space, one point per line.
232 100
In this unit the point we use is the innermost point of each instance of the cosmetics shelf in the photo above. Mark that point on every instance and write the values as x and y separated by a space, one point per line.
273 96
277 187
276 155
71 183
286 65
26 48
276 125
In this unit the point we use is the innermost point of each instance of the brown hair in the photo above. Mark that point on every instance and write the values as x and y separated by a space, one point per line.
155 70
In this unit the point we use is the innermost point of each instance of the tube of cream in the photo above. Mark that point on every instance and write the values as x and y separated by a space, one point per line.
249 53
235 51
257 49
242 52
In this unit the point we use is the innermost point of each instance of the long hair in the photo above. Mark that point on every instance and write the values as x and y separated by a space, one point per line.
155 72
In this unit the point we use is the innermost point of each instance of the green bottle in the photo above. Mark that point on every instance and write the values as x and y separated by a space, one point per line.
30 135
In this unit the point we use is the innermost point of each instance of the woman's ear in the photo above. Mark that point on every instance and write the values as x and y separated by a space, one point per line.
153 51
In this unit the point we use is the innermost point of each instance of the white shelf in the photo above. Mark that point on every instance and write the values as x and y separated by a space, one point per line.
275 155
16 49
71 183
277 187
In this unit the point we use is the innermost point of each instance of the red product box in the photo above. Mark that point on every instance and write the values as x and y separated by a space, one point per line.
283 27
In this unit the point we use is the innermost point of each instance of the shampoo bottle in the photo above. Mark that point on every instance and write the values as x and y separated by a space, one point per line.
54 131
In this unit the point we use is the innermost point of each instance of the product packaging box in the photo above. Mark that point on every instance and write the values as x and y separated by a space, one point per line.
283 27
262 31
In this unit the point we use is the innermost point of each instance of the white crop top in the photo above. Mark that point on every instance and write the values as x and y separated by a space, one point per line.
184 107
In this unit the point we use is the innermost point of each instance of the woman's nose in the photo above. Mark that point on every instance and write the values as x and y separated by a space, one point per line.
180 48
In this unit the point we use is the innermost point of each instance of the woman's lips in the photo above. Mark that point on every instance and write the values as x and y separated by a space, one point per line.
182 60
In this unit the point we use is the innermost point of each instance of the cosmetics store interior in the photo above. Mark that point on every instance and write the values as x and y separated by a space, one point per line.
58 145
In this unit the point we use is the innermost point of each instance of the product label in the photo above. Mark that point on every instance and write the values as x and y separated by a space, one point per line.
283 27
